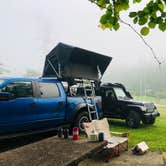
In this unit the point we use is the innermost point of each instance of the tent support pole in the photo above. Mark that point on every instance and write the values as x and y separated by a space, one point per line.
53 67
59 69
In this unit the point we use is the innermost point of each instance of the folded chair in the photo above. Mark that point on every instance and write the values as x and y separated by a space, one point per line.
117 141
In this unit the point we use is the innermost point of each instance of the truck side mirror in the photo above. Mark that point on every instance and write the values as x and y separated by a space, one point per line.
5 96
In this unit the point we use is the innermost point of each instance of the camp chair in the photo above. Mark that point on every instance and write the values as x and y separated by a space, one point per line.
117 141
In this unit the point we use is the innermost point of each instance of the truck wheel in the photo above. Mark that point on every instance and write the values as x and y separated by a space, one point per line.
133 119
152 121
149 121
80 119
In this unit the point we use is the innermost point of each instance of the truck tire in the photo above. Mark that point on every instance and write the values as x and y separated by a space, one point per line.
133 119
149 121
80 119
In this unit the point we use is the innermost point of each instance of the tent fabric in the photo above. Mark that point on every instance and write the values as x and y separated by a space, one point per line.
66 61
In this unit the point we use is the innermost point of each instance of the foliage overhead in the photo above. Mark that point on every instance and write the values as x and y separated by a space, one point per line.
152 15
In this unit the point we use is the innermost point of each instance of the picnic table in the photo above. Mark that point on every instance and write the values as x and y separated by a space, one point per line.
51 151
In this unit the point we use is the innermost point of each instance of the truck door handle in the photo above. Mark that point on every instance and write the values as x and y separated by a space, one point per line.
32 104
61 103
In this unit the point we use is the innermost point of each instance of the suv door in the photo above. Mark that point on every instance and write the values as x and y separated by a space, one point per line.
51 104
17 113
109 102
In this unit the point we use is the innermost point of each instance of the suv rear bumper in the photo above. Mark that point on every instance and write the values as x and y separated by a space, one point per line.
152 114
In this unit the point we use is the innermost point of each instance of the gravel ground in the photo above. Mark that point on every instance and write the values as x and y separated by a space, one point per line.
126 159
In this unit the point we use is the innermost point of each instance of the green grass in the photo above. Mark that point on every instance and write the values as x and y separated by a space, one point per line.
153 135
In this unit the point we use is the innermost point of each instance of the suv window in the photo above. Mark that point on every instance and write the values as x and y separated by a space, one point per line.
120 93
19 89
49 90
110 93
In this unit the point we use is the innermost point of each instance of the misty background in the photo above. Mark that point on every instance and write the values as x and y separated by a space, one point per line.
30 29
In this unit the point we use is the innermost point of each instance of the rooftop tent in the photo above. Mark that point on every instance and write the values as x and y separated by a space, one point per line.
68 62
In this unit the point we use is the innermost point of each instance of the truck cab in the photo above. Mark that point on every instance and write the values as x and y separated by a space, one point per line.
118 103
28 104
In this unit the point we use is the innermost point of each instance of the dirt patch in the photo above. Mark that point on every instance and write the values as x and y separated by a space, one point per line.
126 159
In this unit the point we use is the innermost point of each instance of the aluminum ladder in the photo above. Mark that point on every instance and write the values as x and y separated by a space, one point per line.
92 109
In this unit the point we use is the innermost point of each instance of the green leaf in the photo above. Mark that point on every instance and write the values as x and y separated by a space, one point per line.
161 6
135 20
146 10
109 13
142 20
106 1
103 19
103 27
145 31
110 7
162 26
132 14
151 25
159 20
119 8
137 1
116 26
125 6
121 5
101 3
163 14
111 20
153 15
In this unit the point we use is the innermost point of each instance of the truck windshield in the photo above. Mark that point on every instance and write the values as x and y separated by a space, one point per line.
120 94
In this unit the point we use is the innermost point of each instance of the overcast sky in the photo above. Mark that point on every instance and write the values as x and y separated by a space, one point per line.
30 29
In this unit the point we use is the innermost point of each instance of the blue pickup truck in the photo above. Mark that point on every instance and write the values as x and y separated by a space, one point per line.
35 104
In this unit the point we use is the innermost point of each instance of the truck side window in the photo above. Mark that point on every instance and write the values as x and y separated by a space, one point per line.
49 90
19 89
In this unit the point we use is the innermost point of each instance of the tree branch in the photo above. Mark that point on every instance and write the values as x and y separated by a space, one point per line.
97 4
140 36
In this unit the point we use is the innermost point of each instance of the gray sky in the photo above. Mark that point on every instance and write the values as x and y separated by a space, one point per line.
30 29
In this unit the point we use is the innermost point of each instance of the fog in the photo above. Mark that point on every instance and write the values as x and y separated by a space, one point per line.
30 29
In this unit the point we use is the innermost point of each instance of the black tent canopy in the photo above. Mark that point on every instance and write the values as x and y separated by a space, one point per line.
68 62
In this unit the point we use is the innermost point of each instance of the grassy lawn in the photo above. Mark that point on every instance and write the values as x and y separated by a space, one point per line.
153 135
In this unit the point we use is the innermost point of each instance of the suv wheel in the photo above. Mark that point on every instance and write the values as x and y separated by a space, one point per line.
149 121
133 119
80 119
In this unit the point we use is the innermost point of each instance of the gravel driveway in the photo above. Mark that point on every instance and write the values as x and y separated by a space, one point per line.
126 159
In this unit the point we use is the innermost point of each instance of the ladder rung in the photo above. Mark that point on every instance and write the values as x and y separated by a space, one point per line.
93 112
91 105
88 90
